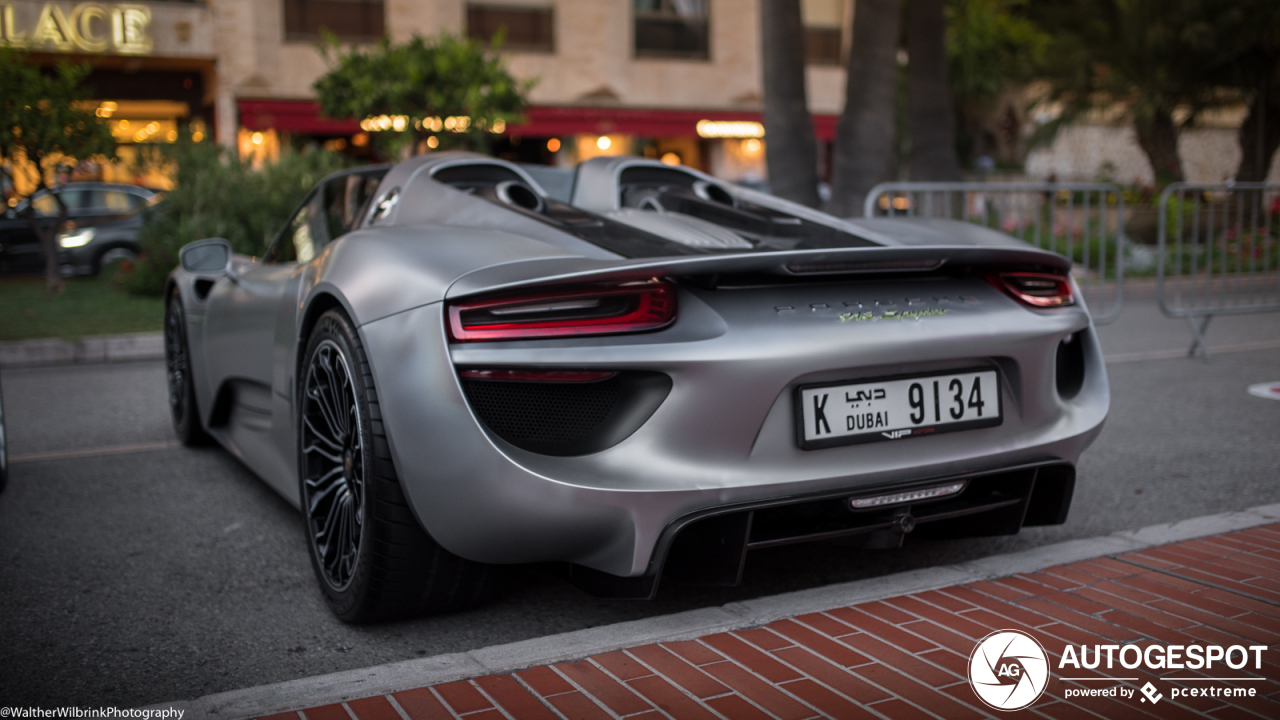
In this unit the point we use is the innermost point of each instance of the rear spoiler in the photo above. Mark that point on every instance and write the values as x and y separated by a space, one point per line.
797 263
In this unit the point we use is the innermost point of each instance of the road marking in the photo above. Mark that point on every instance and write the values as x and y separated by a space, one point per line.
1170 354
94 452
1268 390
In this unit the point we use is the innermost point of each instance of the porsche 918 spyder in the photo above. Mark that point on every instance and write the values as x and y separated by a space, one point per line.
645 377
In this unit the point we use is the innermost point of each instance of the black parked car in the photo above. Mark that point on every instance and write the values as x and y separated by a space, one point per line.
89 205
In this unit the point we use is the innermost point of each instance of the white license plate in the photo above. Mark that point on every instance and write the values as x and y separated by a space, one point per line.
896 408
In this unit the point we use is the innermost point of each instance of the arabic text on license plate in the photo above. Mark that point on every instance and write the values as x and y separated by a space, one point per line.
891 409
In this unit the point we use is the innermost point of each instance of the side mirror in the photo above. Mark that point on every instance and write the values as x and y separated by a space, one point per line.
208 258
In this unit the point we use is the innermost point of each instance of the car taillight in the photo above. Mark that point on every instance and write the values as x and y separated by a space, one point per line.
1039 290
564 312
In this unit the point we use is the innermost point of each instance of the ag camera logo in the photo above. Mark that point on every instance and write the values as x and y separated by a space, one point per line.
1008 670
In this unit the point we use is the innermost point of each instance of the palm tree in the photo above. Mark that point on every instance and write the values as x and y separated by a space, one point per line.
930 114
864 134
792 149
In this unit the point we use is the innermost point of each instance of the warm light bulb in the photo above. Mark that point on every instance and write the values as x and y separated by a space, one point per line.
553 144
257 138
603 143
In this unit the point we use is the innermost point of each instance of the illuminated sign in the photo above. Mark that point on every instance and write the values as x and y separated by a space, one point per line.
87 27
400 123
730 129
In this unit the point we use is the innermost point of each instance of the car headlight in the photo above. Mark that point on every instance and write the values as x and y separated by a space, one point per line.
76 239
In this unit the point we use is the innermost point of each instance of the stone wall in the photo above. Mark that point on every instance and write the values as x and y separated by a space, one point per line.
1091 152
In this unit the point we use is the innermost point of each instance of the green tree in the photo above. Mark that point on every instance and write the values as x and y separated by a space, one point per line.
45 125
1161 62
1255 73
427 81
991 47
217 195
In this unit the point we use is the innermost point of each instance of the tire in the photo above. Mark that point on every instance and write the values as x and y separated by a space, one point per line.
372 559
113 254
4 448
182 389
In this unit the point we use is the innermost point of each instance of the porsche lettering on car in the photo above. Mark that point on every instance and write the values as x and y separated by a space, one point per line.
645 377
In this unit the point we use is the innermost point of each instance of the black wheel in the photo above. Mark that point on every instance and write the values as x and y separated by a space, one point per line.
372 558
182 390
115 254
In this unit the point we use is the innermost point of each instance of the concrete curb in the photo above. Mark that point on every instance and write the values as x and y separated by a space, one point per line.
408 674
90 349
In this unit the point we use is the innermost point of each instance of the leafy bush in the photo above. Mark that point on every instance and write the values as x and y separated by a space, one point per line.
216 195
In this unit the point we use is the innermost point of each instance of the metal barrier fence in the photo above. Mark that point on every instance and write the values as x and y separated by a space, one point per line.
1218 253
1083 221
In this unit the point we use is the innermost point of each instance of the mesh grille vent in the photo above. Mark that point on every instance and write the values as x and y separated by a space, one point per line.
525 413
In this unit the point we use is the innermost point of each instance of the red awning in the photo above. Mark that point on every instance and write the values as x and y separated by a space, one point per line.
295 116
546 121
303 116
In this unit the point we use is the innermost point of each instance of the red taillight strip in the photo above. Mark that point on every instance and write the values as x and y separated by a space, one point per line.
1014 284
563 376
653 306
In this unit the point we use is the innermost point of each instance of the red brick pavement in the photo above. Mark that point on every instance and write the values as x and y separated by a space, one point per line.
906 657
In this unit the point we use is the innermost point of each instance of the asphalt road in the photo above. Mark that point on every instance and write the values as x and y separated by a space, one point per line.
165 573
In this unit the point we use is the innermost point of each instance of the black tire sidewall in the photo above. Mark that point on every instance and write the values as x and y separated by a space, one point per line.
349 602
187 423
4 447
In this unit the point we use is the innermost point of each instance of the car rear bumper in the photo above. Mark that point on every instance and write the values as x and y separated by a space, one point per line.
723 440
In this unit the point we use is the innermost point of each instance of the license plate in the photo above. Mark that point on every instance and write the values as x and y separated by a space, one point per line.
896 408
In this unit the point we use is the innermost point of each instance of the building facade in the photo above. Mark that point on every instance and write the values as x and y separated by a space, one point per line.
678 80
672 79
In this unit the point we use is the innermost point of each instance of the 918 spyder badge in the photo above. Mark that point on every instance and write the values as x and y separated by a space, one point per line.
898 315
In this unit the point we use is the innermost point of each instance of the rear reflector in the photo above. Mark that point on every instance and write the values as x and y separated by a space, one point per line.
906 496
564 312
1039 290
562 376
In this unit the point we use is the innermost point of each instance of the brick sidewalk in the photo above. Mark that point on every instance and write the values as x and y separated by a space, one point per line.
907 657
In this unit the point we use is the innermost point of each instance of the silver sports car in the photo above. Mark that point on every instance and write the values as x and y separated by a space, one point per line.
445 367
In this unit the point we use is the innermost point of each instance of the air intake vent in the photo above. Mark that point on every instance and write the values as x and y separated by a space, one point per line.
566 418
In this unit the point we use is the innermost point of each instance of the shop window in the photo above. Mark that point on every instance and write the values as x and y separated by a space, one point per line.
823 31
351 20
529 29
672 28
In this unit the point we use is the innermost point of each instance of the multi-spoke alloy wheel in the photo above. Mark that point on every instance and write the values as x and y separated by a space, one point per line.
177 360
374 561
333 453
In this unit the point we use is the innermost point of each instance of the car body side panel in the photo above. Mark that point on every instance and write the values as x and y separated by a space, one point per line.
240 334
455 481
382 272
